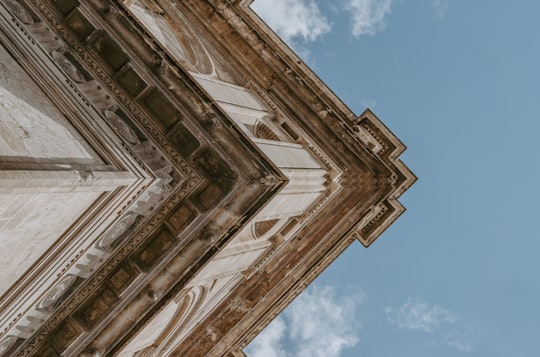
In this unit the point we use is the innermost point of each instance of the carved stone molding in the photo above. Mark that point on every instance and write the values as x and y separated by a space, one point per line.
51 298
368 138
6 345
19 11
199 179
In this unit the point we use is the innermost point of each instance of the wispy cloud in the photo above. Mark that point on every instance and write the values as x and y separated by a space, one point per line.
441 7
368 16
269 342
437 321
293 20
368 103
317 324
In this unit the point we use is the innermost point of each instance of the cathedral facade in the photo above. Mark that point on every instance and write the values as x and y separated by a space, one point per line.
172 176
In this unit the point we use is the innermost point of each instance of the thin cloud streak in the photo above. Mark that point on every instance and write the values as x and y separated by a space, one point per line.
434 320
368 16
269 341
441 7
317 324
415 314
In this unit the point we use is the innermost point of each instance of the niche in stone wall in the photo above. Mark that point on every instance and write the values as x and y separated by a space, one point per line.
263 227
263 131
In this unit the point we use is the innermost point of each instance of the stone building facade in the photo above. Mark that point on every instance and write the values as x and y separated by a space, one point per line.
171 176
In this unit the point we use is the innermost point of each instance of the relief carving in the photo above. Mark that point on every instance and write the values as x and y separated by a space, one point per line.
121 127
263 227
213 333
371 218
263 131
19 11
68 67
6 345
52 298
369 139
240 305
97 95
119 228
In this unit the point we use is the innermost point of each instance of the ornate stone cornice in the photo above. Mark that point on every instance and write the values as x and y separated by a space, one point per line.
111 97
199 178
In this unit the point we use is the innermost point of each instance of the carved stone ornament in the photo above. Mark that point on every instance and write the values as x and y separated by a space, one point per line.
261 228
6 345
117 229
121 127
239 304
263 131
68 67
19 11
213 333
53 296
367 137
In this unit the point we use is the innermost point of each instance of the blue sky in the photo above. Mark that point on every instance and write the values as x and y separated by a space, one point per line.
458 81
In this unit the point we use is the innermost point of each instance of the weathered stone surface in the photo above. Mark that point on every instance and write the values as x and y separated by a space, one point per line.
32 128
175 176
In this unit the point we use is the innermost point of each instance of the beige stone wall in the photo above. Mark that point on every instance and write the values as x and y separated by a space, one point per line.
36 207
31 223
31 128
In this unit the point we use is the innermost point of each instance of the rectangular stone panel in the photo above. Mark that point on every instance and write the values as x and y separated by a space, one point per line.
79 24
65 6
31 223
65 335
184 140
96 308
287 155
232 259
213 165
149 254
123 276
211 195
230 93
131 81
111 52
288 205
180 218
161 108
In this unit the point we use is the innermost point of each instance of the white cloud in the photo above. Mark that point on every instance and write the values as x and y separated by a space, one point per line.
441 7
415 314
418 315
316 324
322 323
368 103
268 343
368 16
293 20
